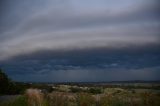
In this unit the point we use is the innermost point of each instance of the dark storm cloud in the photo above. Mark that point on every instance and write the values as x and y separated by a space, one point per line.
89 65
92 75
29 26
66 38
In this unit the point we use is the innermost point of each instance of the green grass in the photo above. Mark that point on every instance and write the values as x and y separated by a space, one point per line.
19 101
111 97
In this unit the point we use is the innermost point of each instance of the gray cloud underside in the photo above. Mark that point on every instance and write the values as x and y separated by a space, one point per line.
27 27
87 65
92 75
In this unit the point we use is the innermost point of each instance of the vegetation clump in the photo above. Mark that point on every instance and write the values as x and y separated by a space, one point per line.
38 94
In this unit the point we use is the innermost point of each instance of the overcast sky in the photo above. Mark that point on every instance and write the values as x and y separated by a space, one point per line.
80 40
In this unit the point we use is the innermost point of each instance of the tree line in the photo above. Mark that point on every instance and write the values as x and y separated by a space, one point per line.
9 87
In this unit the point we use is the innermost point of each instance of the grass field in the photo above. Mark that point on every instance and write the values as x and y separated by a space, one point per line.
67 95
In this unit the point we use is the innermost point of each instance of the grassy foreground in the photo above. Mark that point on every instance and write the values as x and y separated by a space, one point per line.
34 97
19 101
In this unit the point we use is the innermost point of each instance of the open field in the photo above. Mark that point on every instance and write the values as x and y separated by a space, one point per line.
87 95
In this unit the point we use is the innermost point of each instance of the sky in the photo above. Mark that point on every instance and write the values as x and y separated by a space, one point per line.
80 40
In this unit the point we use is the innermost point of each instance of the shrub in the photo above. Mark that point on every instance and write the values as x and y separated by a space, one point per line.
75 89
85 99
115 100
95 90
35 97
5 83
58 99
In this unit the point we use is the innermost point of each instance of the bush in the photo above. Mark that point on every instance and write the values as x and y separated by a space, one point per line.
75 89
85 99
95 90
5 83
9 87
35 97
58 99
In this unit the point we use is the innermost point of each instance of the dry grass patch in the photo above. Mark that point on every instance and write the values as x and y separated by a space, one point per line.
34 97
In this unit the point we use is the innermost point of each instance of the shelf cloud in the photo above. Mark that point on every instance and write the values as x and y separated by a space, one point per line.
28 27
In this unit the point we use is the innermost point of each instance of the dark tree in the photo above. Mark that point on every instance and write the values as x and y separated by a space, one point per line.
4 83
8 87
